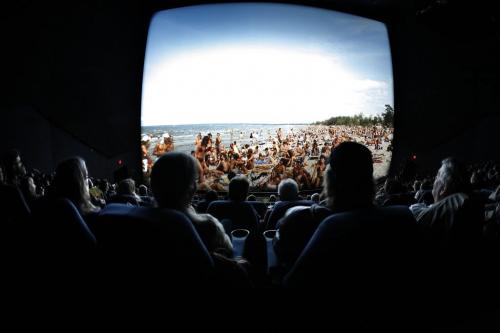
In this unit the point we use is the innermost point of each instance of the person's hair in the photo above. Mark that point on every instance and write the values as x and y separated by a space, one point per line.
315 197
26 189
251 197
10 170
9 157
211 195
426 185
272 198
288 190
451 178
173 180
143 190
393 186
348 180
238 188
416 185
70 181
126 187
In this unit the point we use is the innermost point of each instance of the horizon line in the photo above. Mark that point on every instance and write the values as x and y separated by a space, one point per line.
229 124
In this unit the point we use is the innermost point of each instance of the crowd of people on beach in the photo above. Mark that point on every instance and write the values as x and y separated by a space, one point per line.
300 154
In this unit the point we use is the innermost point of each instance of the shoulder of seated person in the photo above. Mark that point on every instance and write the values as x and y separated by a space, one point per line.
297 210
207 218
459 198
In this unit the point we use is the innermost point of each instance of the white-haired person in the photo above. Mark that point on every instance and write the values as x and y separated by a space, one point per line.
454 220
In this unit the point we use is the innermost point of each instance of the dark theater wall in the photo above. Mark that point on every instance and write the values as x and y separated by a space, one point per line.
71 78
79 67
451 100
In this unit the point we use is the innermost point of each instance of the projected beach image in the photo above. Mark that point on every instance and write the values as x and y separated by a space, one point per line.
265 91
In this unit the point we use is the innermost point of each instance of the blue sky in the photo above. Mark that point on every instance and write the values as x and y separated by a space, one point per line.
237 63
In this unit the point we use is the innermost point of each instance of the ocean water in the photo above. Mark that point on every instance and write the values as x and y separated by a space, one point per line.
184 135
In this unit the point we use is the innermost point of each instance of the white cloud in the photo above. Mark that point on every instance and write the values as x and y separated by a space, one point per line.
256 85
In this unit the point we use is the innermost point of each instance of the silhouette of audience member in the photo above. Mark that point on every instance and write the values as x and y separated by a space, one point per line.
288 191
209 197
238 189
173 182
13 166
424 194
236 212
12 203
348 185
71 182
145 197
125 192
360 252
454 220
28 189
495 196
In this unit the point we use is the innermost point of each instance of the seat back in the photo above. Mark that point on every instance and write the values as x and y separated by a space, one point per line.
57 226
241 214
153 244
12 204
124 199
280 209
259 207
363 248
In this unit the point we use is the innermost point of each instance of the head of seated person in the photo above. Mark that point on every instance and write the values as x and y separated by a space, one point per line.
71 182
451 178
126 187
173 180
238 189
315 198
416 185
13 168
288 190
393 186
143 190
211 196
28 189
348 181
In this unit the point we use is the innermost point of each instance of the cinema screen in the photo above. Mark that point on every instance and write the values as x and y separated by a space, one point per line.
265 91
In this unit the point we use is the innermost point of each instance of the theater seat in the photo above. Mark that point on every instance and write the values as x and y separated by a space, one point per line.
54 247
259 207
241 214
57 226
124 199
151 245
399 199
13 207
280 209
359 251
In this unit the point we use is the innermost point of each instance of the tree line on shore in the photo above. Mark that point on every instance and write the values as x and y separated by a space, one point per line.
386 119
